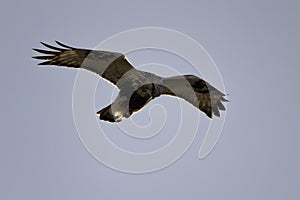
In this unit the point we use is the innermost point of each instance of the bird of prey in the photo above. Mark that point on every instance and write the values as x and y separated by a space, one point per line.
136 87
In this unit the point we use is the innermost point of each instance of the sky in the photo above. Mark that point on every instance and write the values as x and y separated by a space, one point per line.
255 45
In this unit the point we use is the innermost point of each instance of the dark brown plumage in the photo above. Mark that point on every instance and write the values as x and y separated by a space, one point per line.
137 87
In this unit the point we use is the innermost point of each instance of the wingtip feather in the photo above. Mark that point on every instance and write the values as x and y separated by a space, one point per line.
63 45
51 47
45 63
45 51
42 57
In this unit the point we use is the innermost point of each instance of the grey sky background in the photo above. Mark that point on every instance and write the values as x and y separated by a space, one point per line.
256 47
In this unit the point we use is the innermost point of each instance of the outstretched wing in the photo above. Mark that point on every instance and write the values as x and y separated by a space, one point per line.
197 92
110 65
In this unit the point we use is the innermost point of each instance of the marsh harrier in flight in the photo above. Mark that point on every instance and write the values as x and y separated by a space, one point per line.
137 87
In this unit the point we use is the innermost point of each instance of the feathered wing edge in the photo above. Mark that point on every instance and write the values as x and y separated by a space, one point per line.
109 65
63 55
51 55
196 91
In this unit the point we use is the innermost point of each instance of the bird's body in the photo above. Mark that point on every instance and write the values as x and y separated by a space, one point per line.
137 87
